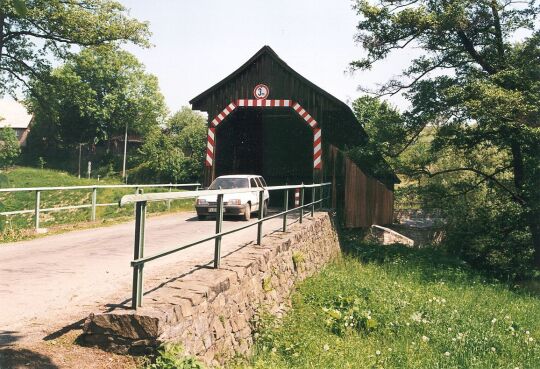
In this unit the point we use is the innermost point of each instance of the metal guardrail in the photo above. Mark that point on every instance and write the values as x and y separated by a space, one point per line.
93 205
140 217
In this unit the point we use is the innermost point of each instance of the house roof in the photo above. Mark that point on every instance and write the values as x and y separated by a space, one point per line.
14 114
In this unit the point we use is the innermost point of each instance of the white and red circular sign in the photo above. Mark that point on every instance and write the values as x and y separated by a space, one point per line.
261 91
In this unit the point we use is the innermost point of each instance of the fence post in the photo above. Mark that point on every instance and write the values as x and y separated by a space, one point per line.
302 203
286 207
261 215
36 209
137 291
94 201
169 201
321 191
313 201
219 224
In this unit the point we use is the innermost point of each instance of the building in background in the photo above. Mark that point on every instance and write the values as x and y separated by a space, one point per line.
14 115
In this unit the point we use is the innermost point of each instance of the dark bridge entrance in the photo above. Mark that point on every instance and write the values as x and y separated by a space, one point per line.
275 143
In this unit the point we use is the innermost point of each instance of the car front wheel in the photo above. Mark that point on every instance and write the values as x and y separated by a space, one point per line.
247 212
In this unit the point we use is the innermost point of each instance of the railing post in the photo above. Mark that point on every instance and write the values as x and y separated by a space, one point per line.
261 215
219 224
321 191
313 201
286 207
36 211
169 201
137 291
302 203
94 202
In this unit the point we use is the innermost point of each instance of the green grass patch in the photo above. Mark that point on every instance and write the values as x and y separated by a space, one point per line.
396 307
17 227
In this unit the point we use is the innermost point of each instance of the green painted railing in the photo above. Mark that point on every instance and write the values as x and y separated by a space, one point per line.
141 200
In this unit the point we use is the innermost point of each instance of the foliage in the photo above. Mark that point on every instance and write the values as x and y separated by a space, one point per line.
33 33
171 356
474 83
176 153
90 99
432 311
348 313
9 147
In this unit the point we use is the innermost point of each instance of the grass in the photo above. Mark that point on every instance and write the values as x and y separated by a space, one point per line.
396 307
18 227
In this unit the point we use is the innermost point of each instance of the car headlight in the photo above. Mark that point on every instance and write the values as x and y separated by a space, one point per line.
234 202
202 202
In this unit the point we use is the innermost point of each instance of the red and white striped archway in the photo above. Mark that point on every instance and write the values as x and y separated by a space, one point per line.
310 121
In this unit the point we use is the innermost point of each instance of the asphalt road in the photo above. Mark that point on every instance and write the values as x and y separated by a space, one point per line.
51 282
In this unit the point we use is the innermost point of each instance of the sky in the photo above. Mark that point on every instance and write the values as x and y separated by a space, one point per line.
199 42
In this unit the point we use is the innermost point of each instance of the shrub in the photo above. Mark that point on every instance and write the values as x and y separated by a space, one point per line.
9 147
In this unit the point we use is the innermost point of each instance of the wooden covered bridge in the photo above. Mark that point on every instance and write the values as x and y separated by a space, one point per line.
265 118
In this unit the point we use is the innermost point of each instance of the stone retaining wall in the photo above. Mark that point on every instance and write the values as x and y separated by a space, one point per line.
210 312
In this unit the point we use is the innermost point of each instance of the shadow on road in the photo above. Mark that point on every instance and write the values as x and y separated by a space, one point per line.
8 337
15 358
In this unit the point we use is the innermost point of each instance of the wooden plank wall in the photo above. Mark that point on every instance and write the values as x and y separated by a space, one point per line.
364 200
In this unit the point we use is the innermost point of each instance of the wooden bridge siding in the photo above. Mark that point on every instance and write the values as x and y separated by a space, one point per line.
358 198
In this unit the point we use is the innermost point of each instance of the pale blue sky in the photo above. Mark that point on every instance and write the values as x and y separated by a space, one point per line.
197 43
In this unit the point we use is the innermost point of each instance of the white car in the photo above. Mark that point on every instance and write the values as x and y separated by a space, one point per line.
243 203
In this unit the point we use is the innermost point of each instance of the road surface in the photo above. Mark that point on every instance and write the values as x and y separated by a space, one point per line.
51 282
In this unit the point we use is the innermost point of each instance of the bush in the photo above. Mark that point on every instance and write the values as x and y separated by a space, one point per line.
9 147
491 236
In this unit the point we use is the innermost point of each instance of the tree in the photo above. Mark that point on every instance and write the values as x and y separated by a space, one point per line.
92 98
9 147
177 152
475 80
34 32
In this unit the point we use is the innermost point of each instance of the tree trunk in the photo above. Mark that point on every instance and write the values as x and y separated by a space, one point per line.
534 224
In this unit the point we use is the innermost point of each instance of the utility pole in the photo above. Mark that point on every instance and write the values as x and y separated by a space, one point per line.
80 145
125 153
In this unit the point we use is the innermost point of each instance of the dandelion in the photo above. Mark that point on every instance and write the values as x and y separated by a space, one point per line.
377 352
425 338
326 347
446 354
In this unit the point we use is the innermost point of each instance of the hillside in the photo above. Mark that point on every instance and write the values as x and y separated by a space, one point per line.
15 227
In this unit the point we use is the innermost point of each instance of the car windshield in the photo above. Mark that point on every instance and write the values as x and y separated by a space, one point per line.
229 183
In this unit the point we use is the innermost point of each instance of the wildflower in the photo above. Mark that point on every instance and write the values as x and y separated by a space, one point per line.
274 349
326 347
531 339
449 329
493 321
493 349
507 317
377 352
527 333
446 354
425 338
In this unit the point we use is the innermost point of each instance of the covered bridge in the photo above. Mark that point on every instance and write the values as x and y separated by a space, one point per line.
265 118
